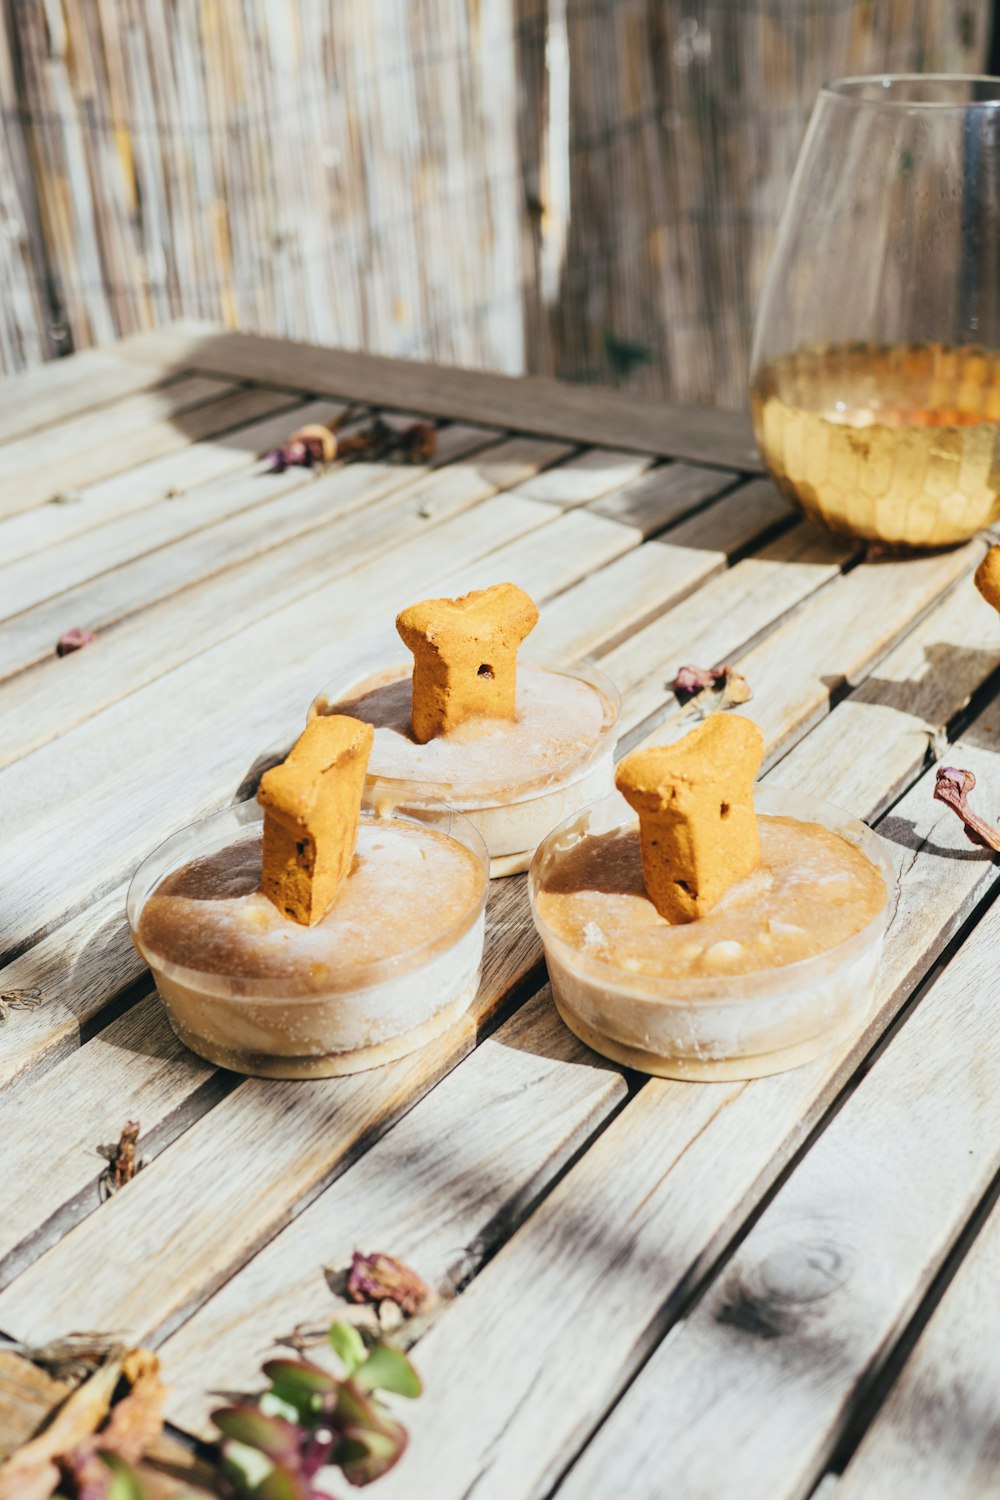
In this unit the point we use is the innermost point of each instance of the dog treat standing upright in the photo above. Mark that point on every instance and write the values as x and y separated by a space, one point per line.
312 803
697 825
988 577
465 656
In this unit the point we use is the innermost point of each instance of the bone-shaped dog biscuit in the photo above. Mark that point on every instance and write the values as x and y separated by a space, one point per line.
697 826
312 804
988 577
465 656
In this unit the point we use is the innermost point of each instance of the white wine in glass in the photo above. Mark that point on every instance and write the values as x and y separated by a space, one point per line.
875 374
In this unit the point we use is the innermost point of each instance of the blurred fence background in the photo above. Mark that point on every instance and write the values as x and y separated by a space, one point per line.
586 188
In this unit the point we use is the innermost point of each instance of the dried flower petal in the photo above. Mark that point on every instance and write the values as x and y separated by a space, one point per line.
18 1000
713 687
952 787
74 640
381 1278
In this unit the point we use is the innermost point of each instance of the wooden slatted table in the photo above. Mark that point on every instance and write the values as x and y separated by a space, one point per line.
646 1288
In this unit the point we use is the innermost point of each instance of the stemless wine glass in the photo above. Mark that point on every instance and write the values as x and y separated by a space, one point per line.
875 373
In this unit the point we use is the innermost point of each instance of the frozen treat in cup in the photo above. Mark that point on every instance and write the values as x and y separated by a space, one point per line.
697 928
514 745
310 934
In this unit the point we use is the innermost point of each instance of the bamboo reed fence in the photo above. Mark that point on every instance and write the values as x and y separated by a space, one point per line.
584 187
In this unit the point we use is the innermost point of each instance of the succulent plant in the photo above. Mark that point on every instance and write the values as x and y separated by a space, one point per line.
286 1444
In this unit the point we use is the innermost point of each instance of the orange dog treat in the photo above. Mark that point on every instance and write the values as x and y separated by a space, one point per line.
988 577
465 656
312 803
697 826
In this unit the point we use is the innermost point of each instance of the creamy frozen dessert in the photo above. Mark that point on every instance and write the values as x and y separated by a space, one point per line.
260 975
759 975
515 761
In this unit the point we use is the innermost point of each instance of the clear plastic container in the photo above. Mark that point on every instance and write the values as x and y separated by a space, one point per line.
512 818
726 1027
358 1018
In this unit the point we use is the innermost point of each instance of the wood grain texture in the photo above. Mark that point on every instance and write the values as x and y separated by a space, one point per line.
155 552
726 614
239 431
439 1199
602 1268
833 640
64 566
63 389
60 693
107 441
135 1069
530 404
939 1431
628 593
76 971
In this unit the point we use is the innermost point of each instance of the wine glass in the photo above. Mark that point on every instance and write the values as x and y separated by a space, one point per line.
875 372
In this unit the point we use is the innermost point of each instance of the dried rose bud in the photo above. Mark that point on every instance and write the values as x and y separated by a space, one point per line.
952 787
74 640
381 1278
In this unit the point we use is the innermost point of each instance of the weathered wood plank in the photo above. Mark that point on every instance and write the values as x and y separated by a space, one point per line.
60 570
66 387
135 1069
58 694
628 593
901 710
107 441
587 476
154 553
76 971
529 404
439 1201
833 641
608 1259
678 486
938 1433
239 431
800 1319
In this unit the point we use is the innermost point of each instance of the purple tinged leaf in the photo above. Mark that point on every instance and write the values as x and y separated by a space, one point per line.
246 1424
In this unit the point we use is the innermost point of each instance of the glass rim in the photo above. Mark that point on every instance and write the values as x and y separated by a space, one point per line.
849 90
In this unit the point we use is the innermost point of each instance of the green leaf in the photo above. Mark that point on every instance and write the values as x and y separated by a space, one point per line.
388 1369
125 1484
348 1345
281 1484
293 1379
248 1426
246 1466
